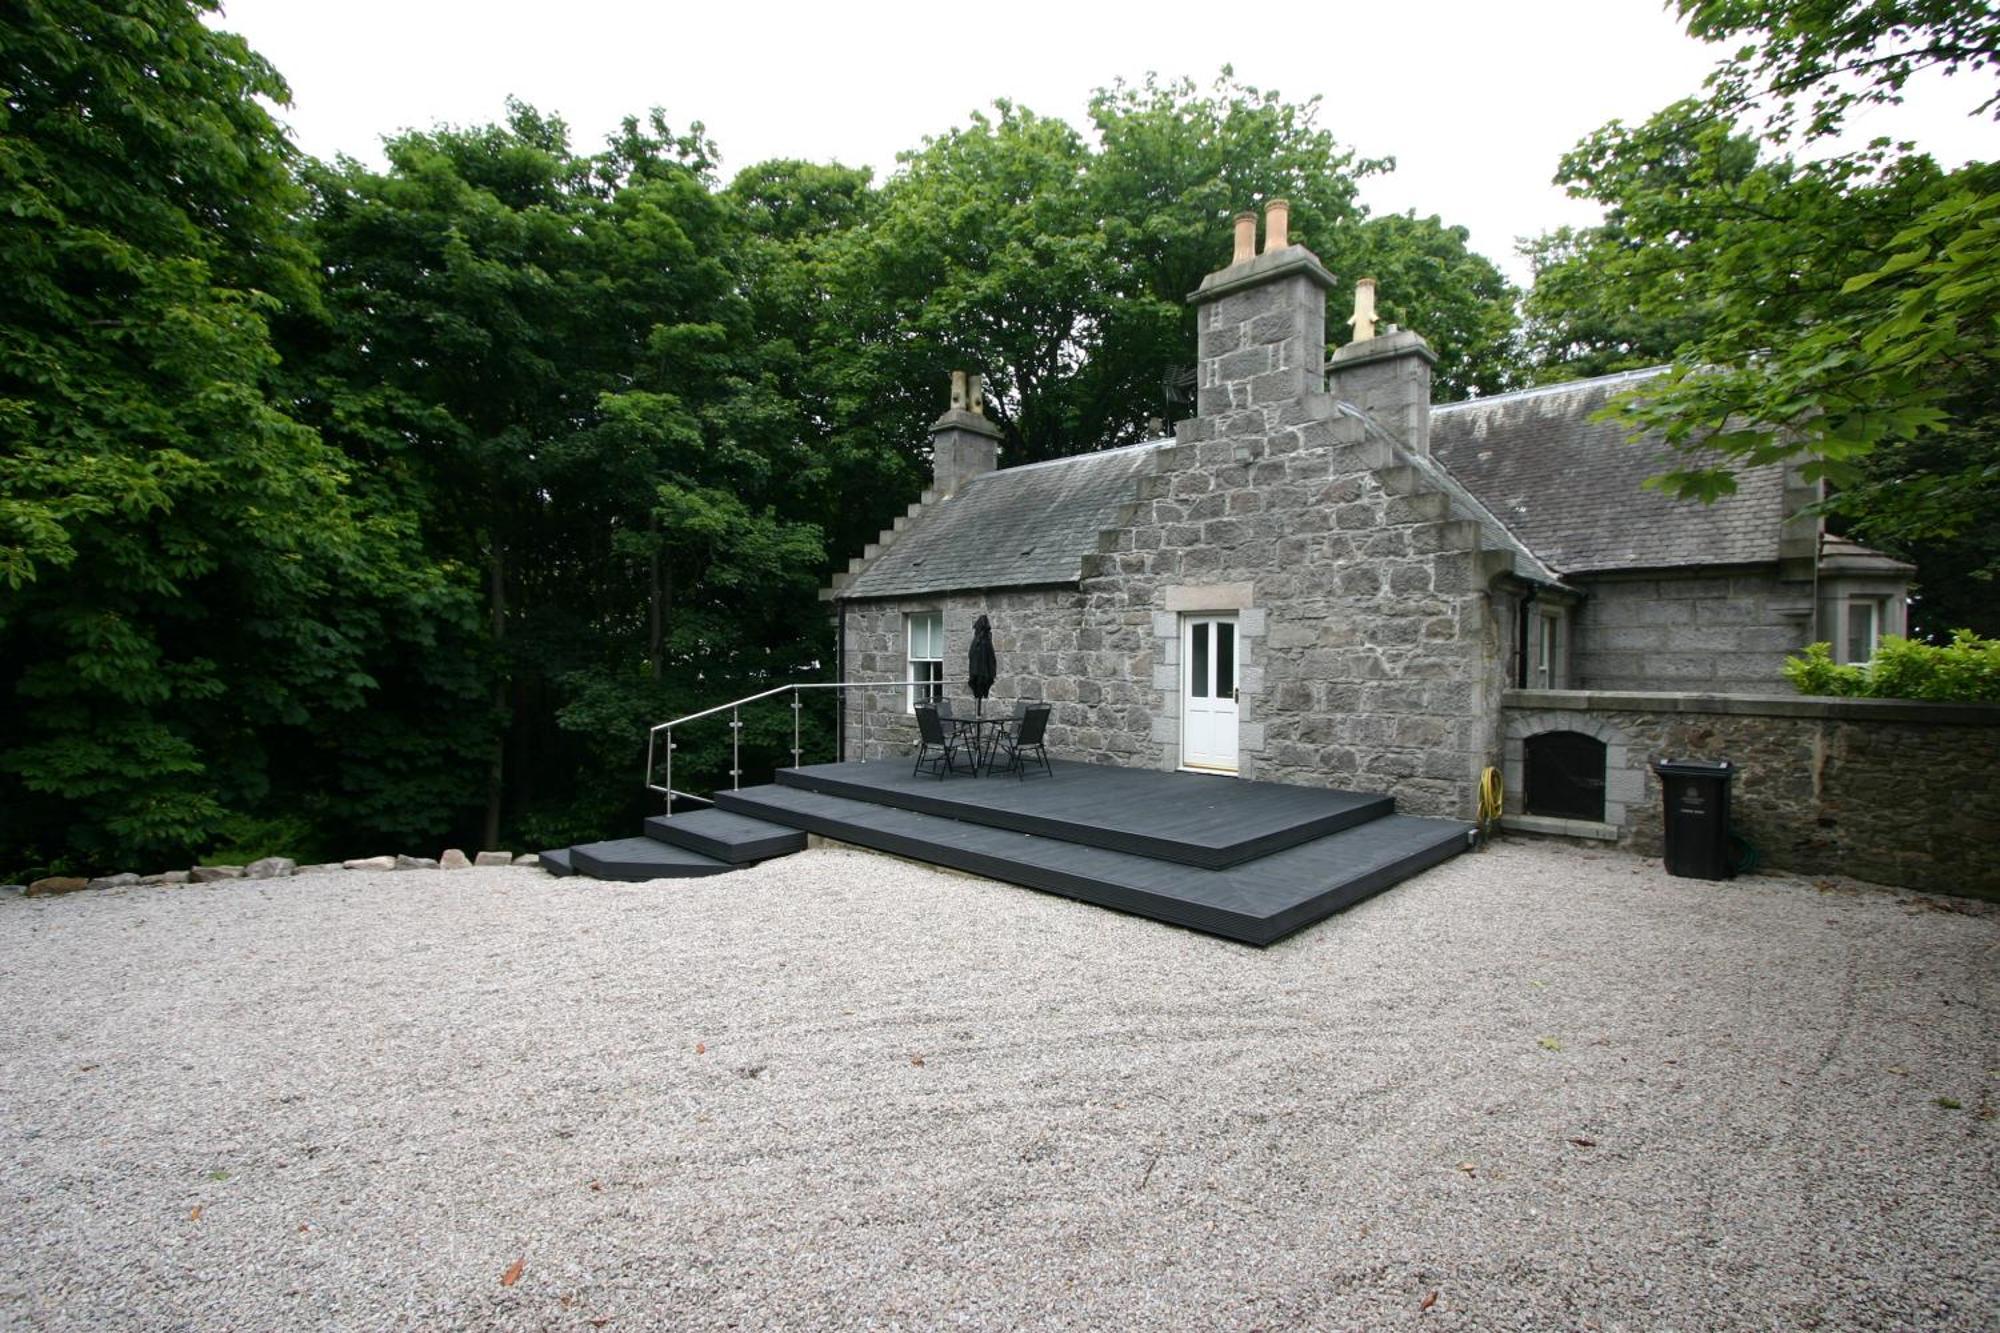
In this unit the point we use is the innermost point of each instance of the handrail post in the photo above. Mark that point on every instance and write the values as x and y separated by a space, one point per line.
660 737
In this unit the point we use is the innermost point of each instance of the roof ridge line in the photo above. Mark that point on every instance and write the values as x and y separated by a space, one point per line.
1539 390
1071 458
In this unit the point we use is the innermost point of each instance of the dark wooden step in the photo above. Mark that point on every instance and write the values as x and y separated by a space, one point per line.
1257 902
641 858
1186 818
556 862
736 839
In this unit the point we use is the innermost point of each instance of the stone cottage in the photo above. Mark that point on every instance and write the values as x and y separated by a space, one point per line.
1323 578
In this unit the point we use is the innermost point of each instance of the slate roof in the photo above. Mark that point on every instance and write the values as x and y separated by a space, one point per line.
1561 493
1013 528
1843 556
1571 488
1465 506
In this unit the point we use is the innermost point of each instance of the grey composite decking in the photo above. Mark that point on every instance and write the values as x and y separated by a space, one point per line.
641 858
736 839
556 862
1257 903
1187 818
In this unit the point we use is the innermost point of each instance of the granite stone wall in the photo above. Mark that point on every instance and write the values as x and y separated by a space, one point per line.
1370 653
1898 792
1047 653
1717 633
1370 656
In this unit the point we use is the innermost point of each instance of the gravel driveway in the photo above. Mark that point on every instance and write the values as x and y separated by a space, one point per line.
1537 1087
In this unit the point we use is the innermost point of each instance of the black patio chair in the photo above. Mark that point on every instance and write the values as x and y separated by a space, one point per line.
931 735
1020 746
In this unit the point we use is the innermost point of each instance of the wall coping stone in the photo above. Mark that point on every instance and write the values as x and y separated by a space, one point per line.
1264 268
1755 705
1382 347
957 418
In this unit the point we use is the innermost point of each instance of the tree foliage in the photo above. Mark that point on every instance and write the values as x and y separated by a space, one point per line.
1060 267
1842 310
1804 65
188 588
557 347
346 509
1964 670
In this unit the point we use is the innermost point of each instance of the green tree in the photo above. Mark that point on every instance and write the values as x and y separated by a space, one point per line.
1840 309
865 433
1805 64
1060 268
1177 163
1458 299
985 252
553 353
187 590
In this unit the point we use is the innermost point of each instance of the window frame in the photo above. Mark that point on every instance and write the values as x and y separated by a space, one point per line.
927 686
1873 608
1546 661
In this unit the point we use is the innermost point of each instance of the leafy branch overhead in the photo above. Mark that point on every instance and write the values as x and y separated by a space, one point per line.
1837 309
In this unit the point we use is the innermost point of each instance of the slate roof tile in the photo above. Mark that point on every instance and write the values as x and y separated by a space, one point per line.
1572 488
1017 527
1567 493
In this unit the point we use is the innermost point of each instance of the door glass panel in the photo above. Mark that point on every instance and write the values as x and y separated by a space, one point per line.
1225 659
1198 665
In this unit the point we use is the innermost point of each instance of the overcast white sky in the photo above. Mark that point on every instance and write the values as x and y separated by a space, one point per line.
1476 101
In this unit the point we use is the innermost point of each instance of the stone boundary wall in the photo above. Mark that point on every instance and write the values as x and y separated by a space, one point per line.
1896 791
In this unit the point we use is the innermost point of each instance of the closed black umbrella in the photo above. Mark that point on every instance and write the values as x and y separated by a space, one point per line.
981 666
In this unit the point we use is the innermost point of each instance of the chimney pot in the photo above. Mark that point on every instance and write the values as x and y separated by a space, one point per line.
958 391
975 395
1277 224
1246 238
1363 320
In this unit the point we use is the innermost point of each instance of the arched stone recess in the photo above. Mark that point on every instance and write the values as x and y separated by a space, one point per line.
1624 773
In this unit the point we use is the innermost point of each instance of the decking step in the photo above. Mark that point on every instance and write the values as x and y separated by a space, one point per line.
1213 822
641 858
1258 902
736 839
556 862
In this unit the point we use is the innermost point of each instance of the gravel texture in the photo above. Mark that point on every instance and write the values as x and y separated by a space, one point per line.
1536 1087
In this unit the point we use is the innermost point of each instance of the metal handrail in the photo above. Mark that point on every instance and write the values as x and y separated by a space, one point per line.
733 708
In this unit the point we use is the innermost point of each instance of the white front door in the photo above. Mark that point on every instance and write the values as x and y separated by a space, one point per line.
1208 693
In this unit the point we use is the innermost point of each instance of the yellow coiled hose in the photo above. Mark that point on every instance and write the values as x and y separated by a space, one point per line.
1492 794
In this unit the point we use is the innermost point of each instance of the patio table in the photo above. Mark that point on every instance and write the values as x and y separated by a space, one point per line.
985 735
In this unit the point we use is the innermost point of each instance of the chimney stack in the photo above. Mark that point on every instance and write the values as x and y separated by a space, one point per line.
964 444
1260 324
1388 376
